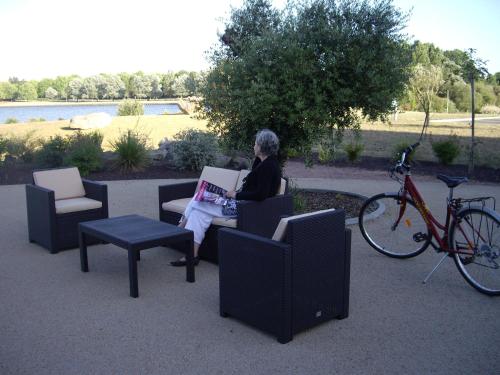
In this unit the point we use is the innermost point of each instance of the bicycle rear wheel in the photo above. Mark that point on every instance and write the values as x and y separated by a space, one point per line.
403 238
475 234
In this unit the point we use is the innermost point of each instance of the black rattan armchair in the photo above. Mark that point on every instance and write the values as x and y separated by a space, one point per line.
253 217
284 287
59 230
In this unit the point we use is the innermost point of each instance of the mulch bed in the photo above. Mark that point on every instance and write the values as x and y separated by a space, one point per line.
20 173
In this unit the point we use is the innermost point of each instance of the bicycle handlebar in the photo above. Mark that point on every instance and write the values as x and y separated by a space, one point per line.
403 165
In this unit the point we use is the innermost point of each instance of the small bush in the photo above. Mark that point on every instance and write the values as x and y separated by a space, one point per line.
398 150
132 150
85 152
11 120
446 151
21 147
36 119
130 108
52 152
353 151
491 109
3 148
194 149
326 153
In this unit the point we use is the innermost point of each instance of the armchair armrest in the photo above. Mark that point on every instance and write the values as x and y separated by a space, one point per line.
251 218
98 191
41 211
170 192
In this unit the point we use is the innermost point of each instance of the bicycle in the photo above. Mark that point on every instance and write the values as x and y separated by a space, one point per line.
400 225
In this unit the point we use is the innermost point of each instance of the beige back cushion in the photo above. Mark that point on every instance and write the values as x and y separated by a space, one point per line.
66 183
225 178
282 187
241 177
279 233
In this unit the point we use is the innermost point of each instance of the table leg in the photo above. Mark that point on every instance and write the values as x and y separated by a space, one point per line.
132 273
189 260
82 240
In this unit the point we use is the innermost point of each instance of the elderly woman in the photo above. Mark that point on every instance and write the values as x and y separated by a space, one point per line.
262 182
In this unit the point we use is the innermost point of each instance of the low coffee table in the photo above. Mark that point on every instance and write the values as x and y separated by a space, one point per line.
135 233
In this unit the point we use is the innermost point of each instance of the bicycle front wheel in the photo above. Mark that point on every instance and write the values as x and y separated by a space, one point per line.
475 236
393 227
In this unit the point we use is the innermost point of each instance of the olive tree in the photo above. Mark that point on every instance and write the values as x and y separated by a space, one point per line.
310 69
424 83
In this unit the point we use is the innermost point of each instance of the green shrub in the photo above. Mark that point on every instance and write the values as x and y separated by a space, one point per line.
22 146
52 152
36 119
130 108
132 150
85 152
446 151
3 148
353 151
326 153
194 149
11 120
398 150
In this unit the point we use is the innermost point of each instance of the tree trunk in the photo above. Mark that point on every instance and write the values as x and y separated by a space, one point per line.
473 143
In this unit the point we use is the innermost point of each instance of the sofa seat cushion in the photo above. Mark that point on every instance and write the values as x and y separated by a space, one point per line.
179 205
279 233
225 222
65 182
63 206
225 178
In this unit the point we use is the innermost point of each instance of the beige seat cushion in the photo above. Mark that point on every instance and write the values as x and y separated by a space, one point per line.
177 205
279 233
225 178
225 222
66 182
63 206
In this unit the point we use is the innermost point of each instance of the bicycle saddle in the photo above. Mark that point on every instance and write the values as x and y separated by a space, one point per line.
452 182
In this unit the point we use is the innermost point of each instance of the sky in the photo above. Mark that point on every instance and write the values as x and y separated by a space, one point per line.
47 38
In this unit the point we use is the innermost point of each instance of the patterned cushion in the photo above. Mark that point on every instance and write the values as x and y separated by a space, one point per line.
279 233
65 182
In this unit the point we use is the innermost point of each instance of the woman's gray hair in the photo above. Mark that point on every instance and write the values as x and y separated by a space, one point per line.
268 142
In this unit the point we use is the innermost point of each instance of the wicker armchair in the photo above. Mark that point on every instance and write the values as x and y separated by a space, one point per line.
284 287
57 201
253 217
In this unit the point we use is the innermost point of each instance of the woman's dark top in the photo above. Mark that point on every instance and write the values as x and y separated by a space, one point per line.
263 181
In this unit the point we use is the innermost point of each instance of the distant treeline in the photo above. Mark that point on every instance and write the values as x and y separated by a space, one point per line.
454 68
104 86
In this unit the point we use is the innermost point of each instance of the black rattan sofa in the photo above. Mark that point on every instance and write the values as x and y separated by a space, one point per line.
253 217
56 201
285 287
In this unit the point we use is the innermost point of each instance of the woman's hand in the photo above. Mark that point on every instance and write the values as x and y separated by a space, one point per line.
231 194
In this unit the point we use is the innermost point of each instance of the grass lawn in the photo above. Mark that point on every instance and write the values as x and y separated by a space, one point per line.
379 139
156 127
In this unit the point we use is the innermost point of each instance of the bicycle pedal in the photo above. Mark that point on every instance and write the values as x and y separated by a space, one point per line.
419 237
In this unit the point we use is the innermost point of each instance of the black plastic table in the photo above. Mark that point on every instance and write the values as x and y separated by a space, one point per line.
135 233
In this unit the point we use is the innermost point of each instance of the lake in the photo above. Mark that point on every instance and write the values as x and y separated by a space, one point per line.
56 112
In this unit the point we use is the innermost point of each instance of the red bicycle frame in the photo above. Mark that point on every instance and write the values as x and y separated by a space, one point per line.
433 225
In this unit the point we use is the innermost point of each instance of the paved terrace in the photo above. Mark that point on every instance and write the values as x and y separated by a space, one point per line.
54 319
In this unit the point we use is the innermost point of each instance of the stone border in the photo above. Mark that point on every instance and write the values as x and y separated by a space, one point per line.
353 220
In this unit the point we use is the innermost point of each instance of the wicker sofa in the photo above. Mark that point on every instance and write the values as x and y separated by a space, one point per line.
59 199
253 217
292 282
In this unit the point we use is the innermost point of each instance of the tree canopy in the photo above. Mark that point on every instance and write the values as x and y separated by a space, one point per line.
303 71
